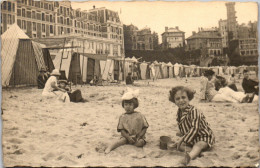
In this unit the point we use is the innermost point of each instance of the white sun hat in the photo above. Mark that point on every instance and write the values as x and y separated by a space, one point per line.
55 72
130 93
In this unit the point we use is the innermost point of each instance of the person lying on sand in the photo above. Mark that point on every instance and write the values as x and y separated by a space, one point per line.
194 129
75 96
224 94
132 124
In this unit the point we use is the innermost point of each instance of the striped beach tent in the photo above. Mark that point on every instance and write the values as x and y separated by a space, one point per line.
22 58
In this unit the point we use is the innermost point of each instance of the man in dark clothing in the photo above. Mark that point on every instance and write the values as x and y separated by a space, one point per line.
42 78
249 85
129 80
75 96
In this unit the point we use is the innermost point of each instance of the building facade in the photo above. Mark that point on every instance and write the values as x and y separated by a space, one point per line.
101 28
142 39
231 21
172 38
209 41
223 32
244 51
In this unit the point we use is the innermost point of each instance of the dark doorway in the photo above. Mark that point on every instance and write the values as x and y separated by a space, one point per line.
75 72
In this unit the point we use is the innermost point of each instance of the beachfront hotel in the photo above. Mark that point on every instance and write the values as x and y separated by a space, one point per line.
100 28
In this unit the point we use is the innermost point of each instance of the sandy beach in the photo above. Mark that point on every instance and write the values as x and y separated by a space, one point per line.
45 132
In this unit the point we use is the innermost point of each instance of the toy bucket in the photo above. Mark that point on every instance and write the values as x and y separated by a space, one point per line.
163 142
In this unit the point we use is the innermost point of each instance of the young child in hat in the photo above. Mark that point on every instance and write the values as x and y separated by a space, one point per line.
194 129
132 124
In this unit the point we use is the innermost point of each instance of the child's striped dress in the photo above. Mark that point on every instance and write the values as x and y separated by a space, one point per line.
193 126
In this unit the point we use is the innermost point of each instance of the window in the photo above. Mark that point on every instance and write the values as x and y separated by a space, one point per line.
51 29
23 24
34 26
9 6
68 21
38 16
61 20
4 5
42 6
30 2
50 18
23 12
33 15
9 19
47 18
34 35
28 14
62 32
43 28
43 17
46 6
19 12
68 30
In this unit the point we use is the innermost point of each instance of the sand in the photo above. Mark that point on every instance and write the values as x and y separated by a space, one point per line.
45 132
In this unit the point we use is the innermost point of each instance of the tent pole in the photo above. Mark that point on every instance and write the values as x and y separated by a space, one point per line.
77 58
62 52
83 61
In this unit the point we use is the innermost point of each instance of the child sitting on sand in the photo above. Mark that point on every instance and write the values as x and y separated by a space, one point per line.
132 124
192 124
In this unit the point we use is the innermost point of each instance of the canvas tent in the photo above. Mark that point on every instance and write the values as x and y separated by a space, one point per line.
22 58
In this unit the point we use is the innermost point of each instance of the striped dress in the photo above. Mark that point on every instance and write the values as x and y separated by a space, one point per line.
194 127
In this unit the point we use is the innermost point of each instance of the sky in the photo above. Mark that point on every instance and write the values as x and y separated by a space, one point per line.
188 16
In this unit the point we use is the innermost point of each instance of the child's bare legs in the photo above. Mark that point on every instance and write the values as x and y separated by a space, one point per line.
140 143
185 148
115 145
196 150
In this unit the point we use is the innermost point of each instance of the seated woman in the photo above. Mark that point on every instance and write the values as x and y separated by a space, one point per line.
224 93
129 79
51 88
75 96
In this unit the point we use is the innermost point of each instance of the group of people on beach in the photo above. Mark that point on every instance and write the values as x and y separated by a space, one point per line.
53 87
194 131
217 89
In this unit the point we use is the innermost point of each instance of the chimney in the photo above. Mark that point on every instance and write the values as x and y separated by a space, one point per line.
94 6
177 27
166 29
193 32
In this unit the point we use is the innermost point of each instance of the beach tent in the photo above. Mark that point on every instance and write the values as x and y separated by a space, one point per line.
158 70
170 69
144 69
22 58
165 70
176 67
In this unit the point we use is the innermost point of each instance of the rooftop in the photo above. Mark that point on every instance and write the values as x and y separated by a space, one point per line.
205 35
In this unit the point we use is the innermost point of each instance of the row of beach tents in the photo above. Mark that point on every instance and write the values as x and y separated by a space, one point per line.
160 70
23 58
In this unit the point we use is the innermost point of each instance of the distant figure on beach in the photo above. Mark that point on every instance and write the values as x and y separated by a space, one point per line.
224 93
203 85
129 79
75 96
194 129
232 83
249 85
94 81
42 78
132 124
51 88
